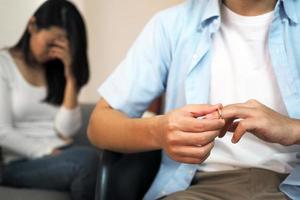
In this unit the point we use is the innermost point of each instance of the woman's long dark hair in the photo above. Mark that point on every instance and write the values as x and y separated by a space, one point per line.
63 14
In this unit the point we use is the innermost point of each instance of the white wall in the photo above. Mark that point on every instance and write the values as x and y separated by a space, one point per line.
14 15
112 27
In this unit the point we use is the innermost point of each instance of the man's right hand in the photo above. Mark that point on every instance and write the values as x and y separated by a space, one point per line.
187 139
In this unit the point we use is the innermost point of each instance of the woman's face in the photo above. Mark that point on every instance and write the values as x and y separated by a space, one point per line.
42 40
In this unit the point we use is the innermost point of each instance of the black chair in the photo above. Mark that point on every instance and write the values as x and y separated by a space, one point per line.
126 176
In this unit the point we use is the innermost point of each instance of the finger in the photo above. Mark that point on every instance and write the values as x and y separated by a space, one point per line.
56 55
56 152
238 112
212 115
233 126
194 139
190 160
226 127
204 158
230 126
193 152
57 50
231 110
201 110
62 43
253 103
242 127
249 104
59 46
188 124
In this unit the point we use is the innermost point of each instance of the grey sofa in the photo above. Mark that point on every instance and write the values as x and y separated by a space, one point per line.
8 193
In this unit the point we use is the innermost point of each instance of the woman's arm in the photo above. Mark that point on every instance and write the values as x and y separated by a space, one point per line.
69 118
71 94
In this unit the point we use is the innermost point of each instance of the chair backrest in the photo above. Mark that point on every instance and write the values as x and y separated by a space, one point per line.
1 165
126 176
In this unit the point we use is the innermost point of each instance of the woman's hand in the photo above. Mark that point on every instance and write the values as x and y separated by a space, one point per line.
60 49
261 121
67 140
55 152
188 139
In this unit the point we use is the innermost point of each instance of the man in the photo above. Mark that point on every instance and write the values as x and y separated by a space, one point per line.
206 54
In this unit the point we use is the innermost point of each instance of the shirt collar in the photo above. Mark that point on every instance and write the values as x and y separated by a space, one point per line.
211 10
290 9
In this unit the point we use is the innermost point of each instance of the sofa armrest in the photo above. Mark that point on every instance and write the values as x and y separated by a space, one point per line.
126 176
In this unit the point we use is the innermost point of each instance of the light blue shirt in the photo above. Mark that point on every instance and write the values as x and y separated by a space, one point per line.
291 185
172 55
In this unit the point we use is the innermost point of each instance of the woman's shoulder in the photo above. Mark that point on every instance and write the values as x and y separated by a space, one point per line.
6 64
4 55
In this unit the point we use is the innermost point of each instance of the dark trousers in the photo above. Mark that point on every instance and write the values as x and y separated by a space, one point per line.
73 170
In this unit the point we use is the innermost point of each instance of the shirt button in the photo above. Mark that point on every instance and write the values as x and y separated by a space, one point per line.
195 56
215 24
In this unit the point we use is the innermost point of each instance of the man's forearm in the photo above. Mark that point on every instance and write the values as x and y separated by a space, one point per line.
113 130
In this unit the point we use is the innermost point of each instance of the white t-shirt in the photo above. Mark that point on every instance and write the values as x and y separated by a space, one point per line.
242 70
27 125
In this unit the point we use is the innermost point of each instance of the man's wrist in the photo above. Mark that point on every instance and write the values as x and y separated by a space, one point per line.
296 131
156 130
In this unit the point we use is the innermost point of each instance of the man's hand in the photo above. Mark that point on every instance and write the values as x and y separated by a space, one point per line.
261 121
188 139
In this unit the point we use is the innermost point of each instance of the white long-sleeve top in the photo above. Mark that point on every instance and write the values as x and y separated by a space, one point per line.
29 126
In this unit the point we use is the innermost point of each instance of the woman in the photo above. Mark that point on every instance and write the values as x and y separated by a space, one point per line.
40 79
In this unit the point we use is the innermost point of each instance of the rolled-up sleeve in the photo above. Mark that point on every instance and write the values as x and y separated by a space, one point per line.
142 75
